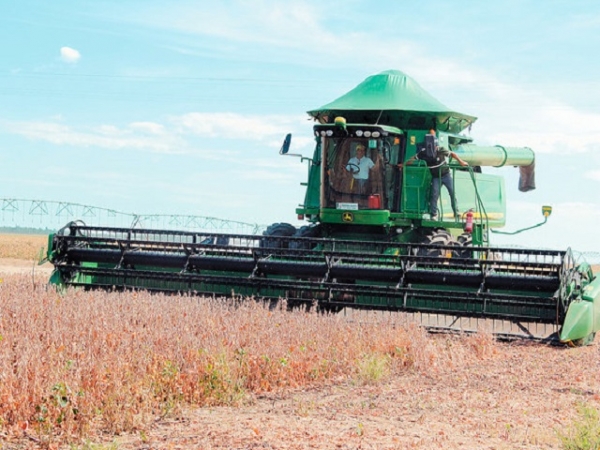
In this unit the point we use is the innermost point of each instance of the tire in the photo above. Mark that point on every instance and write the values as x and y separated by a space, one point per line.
329 309
278 230
439 237
306 231
465 242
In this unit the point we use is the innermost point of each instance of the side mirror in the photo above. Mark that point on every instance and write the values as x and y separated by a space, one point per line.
285 148
286 144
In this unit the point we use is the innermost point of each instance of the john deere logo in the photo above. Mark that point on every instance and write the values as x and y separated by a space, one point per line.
348 217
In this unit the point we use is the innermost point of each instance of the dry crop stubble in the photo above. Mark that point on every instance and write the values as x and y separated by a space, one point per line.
82 363
22 246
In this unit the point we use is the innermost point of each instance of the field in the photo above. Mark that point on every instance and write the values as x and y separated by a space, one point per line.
22 246
137 371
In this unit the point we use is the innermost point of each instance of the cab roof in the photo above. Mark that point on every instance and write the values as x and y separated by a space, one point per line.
393 98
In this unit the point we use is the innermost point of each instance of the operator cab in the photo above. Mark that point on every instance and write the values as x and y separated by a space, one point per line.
358 165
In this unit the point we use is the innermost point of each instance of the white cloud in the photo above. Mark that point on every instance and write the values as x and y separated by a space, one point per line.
593 175
235 126
272 22
69 55
290 31
175 137
513 115
103 136
148 127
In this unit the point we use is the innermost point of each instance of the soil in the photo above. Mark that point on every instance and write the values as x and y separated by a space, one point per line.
13 266
521 400
519 395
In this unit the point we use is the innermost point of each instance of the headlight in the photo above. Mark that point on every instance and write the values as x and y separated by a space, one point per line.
359 133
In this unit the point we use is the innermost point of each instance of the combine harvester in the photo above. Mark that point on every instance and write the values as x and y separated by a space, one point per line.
368 244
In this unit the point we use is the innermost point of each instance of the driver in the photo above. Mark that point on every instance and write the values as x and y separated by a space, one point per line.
359 167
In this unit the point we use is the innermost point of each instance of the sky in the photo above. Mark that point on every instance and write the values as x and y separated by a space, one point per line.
181 107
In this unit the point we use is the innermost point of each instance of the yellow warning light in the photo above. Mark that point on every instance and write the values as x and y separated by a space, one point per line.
546 210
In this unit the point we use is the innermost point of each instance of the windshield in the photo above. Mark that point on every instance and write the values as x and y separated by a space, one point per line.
354 172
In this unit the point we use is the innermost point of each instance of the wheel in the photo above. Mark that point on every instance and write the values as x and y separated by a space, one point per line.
328 308
279 230
441 237
465 239
438 237
465 242
306 231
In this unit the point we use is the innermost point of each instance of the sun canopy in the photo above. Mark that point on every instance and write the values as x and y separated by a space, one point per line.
393 98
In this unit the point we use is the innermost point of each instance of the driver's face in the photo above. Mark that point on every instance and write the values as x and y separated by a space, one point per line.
360 152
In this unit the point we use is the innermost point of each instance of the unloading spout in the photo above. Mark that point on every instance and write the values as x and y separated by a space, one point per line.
495 156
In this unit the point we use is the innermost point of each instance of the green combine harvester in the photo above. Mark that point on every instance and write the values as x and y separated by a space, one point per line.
368 243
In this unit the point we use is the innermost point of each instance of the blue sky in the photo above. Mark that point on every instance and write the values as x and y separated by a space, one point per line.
180 107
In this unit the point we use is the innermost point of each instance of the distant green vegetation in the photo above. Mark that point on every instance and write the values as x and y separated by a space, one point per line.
26 230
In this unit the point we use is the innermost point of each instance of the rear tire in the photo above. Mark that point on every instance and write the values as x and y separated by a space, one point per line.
465 242
438 237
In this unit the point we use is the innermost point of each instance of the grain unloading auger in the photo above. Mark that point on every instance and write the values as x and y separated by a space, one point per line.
370 243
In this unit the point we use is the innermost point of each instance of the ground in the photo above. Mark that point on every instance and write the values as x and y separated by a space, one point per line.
12 266
516 396
519 398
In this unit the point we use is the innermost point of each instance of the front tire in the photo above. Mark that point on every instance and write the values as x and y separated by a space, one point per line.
277 230
306 231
